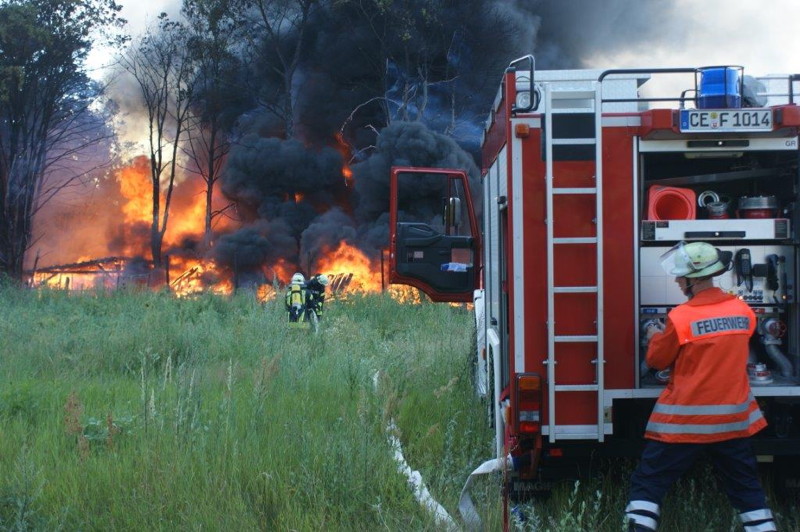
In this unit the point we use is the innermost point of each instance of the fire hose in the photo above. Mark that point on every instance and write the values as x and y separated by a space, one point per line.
415 481
465 505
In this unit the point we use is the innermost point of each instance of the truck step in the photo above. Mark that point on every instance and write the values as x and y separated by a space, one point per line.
574 142
575 190
577 338
575 240
576 387
578 436
575 289
573 432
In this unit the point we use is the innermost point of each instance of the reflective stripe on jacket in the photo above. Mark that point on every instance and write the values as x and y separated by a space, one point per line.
708 397
729 316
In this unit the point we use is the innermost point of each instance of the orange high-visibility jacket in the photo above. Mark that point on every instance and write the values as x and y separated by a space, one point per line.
708 397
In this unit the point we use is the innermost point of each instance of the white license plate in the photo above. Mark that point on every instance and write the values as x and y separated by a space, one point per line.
724 120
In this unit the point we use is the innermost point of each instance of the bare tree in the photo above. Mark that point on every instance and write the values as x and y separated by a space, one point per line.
161 63
282 26
46 121
208 146
216 26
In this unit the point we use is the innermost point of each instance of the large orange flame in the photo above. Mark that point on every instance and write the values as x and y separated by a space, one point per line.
367 275
347 259
137 191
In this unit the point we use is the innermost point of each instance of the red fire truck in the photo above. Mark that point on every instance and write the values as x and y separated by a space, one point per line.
588 178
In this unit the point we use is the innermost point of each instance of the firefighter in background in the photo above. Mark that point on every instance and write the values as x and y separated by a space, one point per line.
707 405
296 298
316 293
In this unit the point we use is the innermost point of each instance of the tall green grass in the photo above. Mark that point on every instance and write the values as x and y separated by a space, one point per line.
139 411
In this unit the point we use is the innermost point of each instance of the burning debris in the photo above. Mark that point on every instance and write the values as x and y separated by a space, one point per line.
105 273
311 222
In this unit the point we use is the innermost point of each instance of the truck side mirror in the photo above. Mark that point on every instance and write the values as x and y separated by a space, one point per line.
452 212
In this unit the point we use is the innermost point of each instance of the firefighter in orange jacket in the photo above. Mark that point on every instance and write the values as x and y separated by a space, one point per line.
707 405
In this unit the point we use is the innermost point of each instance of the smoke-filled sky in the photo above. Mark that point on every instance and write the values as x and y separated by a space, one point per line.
290 194
755 35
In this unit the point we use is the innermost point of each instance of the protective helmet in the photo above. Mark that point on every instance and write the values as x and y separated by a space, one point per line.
695 259
323 279
298 278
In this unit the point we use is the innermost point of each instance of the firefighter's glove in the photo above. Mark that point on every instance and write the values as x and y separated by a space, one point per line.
653 328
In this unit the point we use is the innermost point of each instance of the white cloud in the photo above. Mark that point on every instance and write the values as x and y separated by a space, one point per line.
760 36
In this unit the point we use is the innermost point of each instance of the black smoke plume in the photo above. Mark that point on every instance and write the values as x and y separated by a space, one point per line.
255 245
375 84
408 84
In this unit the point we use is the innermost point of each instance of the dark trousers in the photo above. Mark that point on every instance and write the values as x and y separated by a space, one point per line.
663 463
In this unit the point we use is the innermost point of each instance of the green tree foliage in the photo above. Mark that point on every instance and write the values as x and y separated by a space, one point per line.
44 104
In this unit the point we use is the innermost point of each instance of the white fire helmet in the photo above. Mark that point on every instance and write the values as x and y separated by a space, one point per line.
695 259
298 278
323 279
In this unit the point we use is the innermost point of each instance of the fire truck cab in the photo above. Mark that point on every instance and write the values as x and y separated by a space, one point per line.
588 178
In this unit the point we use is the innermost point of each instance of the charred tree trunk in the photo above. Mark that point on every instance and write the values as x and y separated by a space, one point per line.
155 247
155 231
208 217
214 154
18 202
13 243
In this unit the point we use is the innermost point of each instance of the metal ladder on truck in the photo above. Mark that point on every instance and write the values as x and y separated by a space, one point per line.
561 101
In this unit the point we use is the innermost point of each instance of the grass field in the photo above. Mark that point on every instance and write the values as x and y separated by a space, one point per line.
139 411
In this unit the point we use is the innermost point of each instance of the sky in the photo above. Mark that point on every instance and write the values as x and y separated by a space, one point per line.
139 14
760 36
